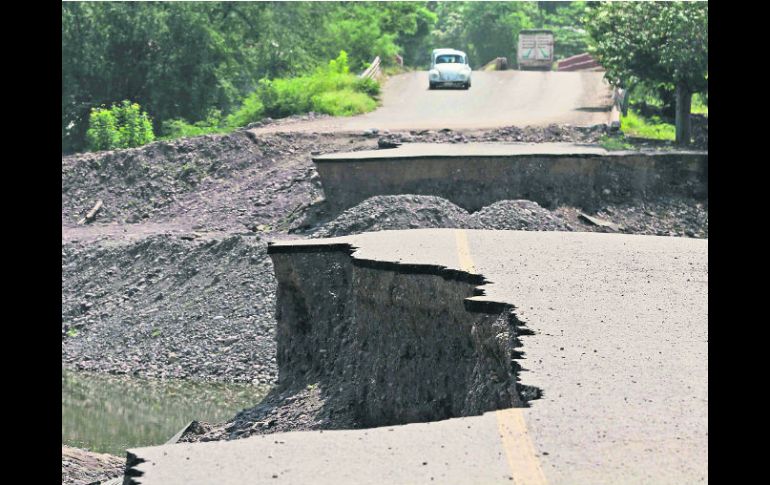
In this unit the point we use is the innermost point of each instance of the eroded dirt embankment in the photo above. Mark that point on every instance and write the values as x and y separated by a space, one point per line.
80 467
165 306
180 305
364 343
234 182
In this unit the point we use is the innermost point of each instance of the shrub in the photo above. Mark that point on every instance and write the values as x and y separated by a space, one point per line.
120 126
179 128
251 110
330 89
340 64
367 86
321 91
285 97
102 131
343 103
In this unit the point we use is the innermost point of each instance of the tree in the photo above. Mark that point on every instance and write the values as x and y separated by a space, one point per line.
660 44
492 28
167 57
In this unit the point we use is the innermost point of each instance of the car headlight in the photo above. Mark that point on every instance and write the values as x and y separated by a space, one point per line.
433 74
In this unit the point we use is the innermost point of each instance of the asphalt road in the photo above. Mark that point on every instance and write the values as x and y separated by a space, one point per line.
496 99
620 351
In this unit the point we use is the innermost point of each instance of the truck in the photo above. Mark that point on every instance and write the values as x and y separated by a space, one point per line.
535 50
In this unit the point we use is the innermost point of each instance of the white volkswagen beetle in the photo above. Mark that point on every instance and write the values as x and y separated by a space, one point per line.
449 67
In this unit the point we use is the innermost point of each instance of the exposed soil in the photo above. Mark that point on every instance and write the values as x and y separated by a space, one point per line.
173 278
80 467
164 306
188 291
396 212
202 306
236 182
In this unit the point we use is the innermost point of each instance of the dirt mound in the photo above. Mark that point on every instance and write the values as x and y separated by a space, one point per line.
665 217
169 307
528 134
79 467
396 212
137 182
215 181
520 215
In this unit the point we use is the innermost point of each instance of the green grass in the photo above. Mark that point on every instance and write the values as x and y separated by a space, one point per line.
653 127
181 129
345 102
329 90
614 143
336 94
698 106
251 110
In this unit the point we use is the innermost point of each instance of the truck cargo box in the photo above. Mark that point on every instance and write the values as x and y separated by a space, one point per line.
535 49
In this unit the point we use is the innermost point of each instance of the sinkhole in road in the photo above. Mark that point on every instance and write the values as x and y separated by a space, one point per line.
390 343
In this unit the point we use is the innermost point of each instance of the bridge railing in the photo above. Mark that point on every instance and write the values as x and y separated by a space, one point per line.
496 64
578 63
373 70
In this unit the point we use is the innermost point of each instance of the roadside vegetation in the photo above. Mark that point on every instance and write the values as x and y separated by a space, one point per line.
648 118
615 143
331 90
700 104
658 51
208 67
653 127
123 125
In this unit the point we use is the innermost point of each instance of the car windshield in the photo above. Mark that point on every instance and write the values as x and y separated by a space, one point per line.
450 59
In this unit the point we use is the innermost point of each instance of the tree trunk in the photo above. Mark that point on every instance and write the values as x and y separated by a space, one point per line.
624 104
683 105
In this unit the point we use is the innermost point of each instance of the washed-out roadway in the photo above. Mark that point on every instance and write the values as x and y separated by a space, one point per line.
619 351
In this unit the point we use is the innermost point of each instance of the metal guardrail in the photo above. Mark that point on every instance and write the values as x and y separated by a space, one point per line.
373 70
578 63
496 64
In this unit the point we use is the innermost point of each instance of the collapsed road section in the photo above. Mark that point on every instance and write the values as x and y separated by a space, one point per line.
396 343
474 175
369 342
618 344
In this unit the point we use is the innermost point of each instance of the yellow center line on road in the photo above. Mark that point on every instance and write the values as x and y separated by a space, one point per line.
464 251
518 447
516 441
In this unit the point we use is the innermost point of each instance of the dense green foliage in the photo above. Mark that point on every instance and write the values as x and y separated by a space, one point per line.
180 60
324 91
179 128
120 126
184 62
652 42
329 89
486 30
659 46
